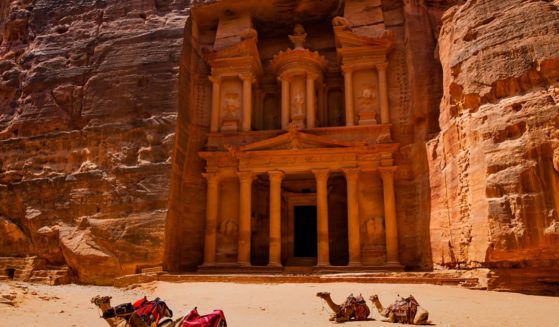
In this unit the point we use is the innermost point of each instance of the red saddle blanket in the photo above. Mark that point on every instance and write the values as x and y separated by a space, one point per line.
214 319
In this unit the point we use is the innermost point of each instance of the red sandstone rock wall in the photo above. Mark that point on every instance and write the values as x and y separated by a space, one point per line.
493 168
88 95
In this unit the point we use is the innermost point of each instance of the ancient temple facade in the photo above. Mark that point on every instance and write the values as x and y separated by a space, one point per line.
298 161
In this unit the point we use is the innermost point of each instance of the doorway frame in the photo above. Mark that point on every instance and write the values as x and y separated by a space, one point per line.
294 200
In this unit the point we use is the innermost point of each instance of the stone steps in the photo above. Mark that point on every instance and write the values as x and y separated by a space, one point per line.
380 277
34 270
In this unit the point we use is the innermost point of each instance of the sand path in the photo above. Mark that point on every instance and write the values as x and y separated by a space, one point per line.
251 305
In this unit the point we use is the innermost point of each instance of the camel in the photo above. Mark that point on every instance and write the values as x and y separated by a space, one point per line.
405 311
131 319
353 307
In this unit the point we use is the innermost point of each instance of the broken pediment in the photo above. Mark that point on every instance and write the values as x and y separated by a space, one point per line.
240 56
294 139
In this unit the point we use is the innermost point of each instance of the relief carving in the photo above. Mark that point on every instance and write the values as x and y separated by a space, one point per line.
374 226
298 111
229 228
231 111
231 106
298 106
366 104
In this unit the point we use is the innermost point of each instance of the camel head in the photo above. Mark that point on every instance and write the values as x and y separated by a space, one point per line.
322 295
374 298
100 300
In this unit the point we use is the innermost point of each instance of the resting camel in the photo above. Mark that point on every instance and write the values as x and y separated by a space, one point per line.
405 311
130 320
353 307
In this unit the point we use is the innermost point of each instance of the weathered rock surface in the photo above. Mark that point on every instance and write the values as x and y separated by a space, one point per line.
87 117
493 168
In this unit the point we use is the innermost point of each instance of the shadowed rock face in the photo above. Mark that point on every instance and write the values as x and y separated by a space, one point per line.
493 181
87 116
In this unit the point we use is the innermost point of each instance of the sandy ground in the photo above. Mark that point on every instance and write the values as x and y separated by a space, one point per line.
251 305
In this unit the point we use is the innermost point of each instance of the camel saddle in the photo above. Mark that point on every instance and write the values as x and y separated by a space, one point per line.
214 319
404 310
354 307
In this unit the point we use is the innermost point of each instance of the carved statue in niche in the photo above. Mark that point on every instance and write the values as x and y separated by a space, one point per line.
298 111
297 105
231 105
374 226
228 228
373 250
366 105
231 111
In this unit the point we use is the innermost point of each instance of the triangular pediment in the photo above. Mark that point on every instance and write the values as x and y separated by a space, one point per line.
348 39
247 47
294 139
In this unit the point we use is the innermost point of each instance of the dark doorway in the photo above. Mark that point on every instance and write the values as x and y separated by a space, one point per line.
305 231
10 272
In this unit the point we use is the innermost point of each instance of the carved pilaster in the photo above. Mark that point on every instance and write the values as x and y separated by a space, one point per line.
216 103
311 111
348 84
321 176
392 255
354 233
245 198
212 202
285 101
247 79
383 89
275 217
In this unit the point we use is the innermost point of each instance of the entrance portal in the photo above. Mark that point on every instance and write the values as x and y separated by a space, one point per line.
305 239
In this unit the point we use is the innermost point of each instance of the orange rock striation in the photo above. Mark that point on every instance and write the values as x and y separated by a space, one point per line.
87 117
493 167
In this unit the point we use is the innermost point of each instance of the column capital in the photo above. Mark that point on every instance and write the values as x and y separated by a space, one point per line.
276 174
215 79
212 176
246 175
247 77
381 66
285 77
321 174
347 69
313 76
351 172
387 171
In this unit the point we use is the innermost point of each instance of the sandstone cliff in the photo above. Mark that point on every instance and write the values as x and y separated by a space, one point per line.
87 117
493 167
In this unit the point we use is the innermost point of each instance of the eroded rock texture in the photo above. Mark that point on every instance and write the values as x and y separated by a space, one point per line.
493 168
87 116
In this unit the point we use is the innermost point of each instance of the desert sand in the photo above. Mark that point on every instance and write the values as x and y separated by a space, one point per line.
274 304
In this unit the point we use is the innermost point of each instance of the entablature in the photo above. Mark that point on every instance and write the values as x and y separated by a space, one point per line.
366 134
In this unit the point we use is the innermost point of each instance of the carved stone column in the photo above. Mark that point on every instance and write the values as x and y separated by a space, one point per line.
211 218
321 176
311 112
248 79
284 102
354 233
275 217
348 84
216 103
245 198
392 256
383 88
